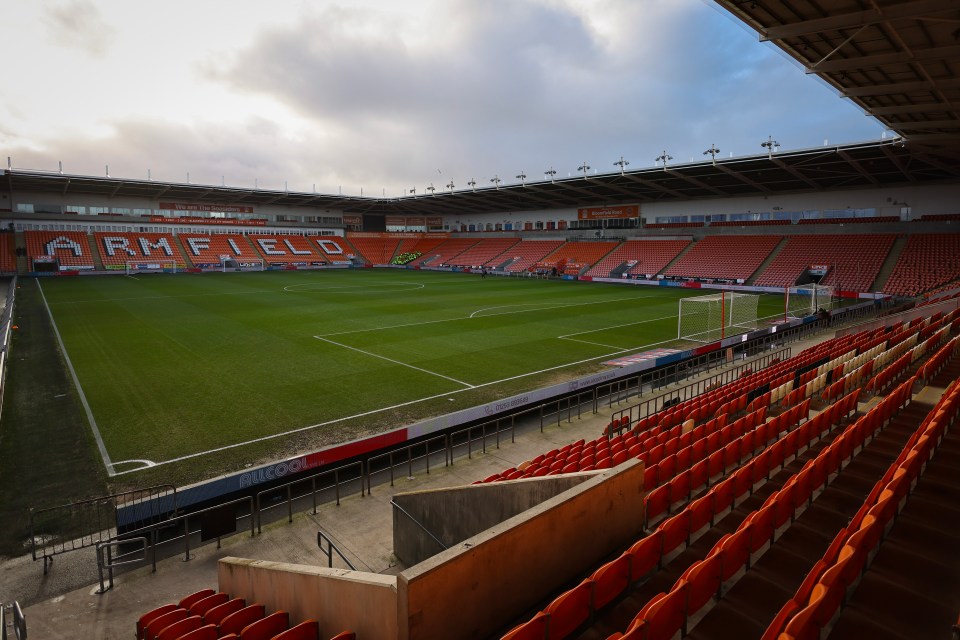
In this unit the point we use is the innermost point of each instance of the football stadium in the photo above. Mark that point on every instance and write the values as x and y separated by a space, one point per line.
709 399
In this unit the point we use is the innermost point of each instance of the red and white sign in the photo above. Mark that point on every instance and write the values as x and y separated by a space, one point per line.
354 220
258 222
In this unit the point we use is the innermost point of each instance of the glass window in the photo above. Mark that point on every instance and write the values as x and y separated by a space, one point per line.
24 207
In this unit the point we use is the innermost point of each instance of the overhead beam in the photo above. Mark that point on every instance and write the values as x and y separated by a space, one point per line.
910 108
857 18
901 87
857 166
744 179
655 186
698 183
926 125
896 161
899 57
794 172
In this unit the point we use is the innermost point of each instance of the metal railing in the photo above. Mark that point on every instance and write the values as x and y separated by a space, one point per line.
330 549
109 563
19 622
417 455
419 524
286 494
85 523
694 389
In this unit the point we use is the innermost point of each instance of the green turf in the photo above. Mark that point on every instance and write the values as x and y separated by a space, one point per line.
177 365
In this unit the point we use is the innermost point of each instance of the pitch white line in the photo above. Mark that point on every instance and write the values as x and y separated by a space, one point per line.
402 364
615 326
319 286
76 381
599 344
471 316
187 295
553 306
400 405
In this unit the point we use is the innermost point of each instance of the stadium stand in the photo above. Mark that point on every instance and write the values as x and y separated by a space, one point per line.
334 249
423 244
374 250
70 248
117 248
484 252
443 253
8 255
940 217
525 254
674 225
928 260
729 257
208 249
285 249
854 260
649 256
574 256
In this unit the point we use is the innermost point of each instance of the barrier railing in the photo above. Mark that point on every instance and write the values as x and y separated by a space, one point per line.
84 523
17 619
330 549
285 494
6 322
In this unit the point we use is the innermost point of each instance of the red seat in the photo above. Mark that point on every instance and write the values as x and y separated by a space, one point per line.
310 630
610 580
343 635
676 531
701 512
645 555
267 627
221 611
533 629
657 502
664 613
179 628
570 610
161 622
238 620
736 551
703 582
207 632
149 616
200 607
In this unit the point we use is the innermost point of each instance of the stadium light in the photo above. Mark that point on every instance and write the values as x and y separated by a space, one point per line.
769 146
712 152
621 163
584 167
663 158
521 177
550 172
431 189
496 181
414 191
450 186
473 184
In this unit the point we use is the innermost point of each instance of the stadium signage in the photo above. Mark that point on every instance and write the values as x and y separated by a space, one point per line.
606 213
274 472
352 219
258 222
188 206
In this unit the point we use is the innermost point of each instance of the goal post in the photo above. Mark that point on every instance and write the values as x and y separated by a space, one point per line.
229 263
808 299
715 316
150 266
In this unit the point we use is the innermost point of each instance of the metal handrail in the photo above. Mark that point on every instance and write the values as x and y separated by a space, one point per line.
110 563
331 547
419 524
258 508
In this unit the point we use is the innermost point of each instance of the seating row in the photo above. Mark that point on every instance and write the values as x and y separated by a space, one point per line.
836 574
212 615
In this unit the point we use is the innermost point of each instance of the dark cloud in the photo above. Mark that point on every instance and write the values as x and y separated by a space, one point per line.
78 24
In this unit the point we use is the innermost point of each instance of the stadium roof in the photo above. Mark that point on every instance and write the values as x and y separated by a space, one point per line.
898 60
872 164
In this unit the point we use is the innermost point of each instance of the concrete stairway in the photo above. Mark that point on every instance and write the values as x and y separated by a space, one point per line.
769 259
889 263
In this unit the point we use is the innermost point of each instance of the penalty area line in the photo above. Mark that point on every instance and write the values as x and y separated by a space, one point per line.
402 364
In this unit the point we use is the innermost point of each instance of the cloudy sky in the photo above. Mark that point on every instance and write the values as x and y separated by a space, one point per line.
388 95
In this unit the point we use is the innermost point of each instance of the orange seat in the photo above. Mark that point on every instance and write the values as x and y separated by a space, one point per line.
570 610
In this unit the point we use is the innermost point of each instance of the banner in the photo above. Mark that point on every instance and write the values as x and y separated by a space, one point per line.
434 221
349 219
260 222
395 221
605 213
186 206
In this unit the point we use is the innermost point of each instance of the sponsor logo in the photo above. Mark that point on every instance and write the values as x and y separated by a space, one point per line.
497 407
273 472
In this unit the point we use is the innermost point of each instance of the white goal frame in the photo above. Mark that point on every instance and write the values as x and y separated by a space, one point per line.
246 264
806 300
132 267
699 317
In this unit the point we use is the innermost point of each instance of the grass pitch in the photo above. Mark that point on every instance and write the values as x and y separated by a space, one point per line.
176 368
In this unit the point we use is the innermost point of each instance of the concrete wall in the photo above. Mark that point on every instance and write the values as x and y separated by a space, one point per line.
454 514
475 589
339 599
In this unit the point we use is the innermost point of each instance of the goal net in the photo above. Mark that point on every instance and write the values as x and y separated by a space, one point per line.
712 317
150 266
228 263
808 299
